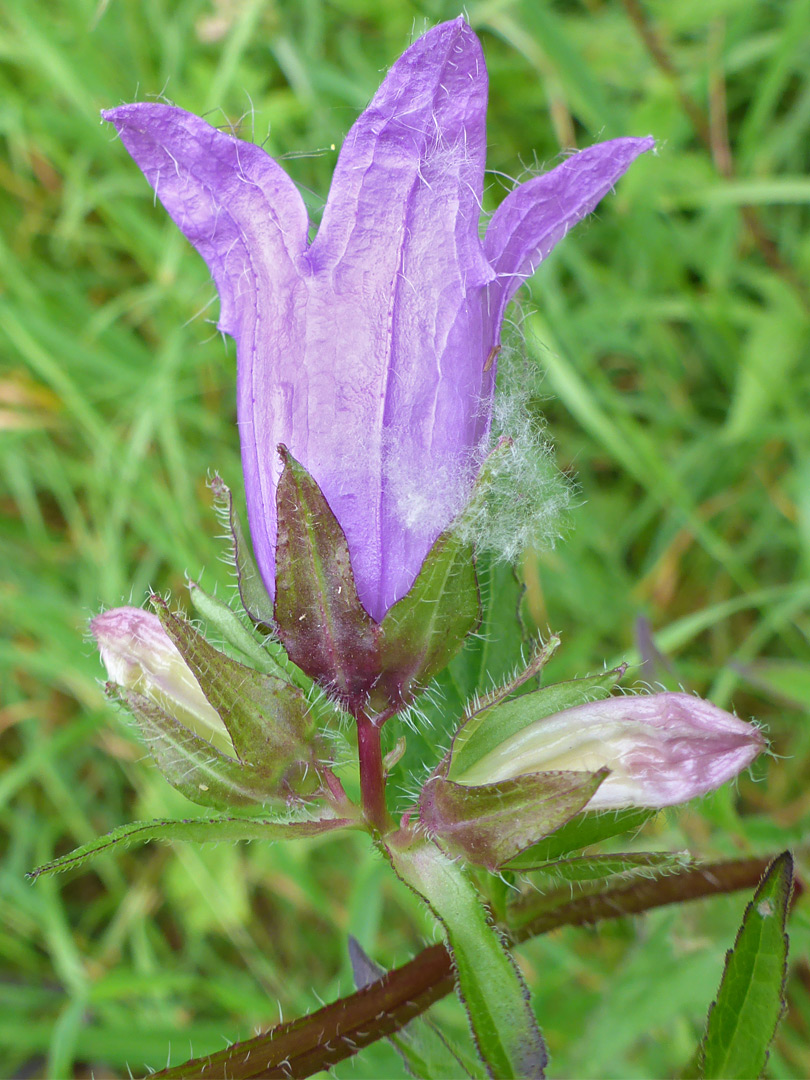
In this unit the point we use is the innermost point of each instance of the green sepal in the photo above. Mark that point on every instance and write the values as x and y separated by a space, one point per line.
488 981
255 598
581 832
269 721
599 867
490 824
487 727
267 656
325 629
751 1000
196 768
197 830
423 631
426 1052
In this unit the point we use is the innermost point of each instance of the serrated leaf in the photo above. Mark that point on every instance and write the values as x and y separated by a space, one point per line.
599 867
486 729
423 631
268 719
426 1052
580 832
325 629
194 767
197 830
488 981
254 596
743 1020
489 824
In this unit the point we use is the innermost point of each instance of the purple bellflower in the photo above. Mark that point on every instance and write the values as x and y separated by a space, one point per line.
369 352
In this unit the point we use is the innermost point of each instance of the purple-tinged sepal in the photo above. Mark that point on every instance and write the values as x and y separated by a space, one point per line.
489 824
322 624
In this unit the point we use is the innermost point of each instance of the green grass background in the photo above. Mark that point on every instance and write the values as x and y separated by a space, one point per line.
674 341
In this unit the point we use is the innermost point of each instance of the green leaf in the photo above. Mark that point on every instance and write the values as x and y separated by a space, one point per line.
197 830
488 981
427 1053
580 832
325 629
487 728
489 824
269 720
743 1020
254 596
423 631
598 867
196 768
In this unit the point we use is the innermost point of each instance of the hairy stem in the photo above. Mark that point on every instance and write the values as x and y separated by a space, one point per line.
337 1031
372 774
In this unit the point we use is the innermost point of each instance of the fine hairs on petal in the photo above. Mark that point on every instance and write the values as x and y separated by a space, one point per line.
525 504
424 501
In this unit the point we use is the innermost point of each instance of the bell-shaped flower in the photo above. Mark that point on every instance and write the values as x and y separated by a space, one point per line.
660 749
139 655
369 352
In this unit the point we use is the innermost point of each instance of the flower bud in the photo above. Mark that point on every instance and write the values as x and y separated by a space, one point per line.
140 656
661 749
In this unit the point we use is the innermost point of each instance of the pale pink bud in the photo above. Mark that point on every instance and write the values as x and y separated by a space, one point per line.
140 656
661 749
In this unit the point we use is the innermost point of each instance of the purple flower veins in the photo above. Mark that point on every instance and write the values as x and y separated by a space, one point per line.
372 348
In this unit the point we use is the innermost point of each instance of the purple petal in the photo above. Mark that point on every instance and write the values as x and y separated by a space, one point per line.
246 218
395 328
662 749
534 217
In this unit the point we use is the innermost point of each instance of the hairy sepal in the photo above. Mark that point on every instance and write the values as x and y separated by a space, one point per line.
254 596
194 767
487 727
489 824
325 629
423 631
269 721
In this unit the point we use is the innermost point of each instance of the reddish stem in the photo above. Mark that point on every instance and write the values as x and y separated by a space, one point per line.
372 775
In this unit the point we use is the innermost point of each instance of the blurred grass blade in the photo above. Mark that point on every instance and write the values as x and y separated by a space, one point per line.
488 980
198 830
743 1020
427 1054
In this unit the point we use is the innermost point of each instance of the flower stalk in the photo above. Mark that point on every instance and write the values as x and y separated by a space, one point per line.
372 774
